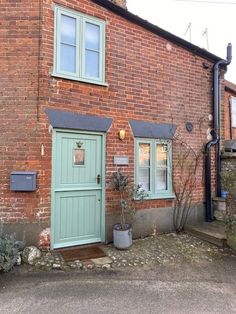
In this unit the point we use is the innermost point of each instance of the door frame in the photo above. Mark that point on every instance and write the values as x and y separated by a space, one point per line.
103 175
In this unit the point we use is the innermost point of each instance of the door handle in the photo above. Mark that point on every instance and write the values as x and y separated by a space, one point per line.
98 179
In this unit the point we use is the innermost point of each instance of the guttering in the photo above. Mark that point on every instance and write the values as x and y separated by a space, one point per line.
216 140
230 89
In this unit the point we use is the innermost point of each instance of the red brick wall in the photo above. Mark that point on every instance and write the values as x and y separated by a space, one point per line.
229 133
227 116
19 31
149 79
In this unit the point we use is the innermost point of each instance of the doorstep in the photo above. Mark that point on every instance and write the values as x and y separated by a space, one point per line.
213 232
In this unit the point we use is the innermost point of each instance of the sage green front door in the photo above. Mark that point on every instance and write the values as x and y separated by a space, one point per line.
77 216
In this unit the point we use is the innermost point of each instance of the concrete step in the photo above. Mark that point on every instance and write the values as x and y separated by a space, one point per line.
220 215
213 232
219 203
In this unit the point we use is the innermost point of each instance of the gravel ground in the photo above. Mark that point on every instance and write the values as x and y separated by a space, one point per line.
168 273
166 249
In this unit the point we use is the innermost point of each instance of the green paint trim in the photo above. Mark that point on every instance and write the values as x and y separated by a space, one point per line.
52 189
73 78
79 74
103 218
76 131
71 188
168 194
53 183
69 244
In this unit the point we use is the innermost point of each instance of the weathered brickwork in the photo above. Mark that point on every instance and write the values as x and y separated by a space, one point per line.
229 91
148 79
19 33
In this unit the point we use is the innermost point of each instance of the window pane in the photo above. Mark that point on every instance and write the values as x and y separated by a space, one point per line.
91 63
234 120
233 100
144 178
68 58
161 177
161 155
144 155
233 110
92 35
68 30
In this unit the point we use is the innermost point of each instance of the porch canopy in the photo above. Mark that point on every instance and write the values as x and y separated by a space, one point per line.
74 121
145 129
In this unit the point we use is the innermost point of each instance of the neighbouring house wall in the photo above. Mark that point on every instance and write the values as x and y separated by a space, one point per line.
148 79
227 116
228 162
229 132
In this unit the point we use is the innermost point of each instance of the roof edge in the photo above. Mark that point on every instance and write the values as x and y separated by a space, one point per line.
229 86
157 30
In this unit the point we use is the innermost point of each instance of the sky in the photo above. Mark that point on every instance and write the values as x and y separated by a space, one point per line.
218 17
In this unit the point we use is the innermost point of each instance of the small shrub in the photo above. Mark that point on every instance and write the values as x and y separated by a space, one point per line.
9 251
129 195
229 184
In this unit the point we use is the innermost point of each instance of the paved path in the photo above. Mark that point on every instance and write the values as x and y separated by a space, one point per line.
206 287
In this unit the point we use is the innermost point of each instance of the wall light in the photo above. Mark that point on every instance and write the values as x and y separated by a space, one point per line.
122 135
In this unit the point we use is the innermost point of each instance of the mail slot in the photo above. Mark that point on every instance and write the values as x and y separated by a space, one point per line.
23 181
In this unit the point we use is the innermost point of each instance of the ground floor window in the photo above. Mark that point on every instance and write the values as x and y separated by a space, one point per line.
153 170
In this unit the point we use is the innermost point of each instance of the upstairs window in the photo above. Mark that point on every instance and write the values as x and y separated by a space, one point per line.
79 47
153 167
233 111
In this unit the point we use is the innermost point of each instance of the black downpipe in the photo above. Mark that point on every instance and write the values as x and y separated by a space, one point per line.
216 139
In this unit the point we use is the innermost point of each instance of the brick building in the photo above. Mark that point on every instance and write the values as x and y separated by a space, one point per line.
73 74
229 111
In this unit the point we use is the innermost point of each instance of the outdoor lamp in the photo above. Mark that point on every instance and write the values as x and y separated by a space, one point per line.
122 135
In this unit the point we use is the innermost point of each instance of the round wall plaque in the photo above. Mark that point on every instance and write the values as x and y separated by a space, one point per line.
189 126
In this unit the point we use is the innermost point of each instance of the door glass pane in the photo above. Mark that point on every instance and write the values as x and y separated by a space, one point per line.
161 179
144 155
68 58
92 36
91 63
144 178
68 30
161 155
79 157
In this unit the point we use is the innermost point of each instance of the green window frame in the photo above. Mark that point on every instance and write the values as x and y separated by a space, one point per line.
153 158
81 21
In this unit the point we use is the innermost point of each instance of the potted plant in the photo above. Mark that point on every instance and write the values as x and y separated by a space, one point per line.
128 196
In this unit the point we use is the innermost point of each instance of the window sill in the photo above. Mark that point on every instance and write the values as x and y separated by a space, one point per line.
88 81
158 197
